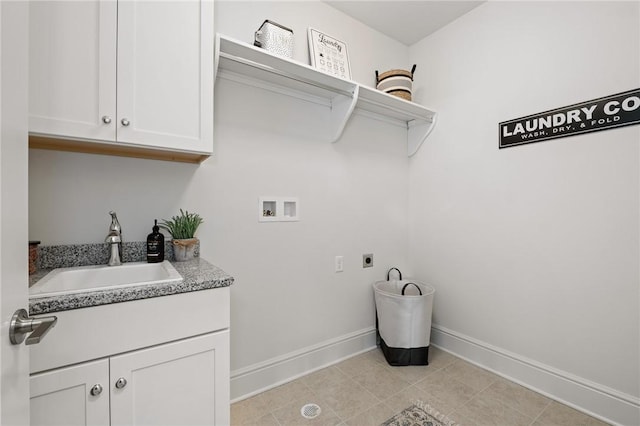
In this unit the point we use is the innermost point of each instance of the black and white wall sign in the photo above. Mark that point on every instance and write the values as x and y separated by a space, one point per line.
622 109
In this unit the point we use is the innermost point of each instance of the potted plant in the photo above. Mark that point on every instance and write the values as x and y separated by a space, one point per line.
182 229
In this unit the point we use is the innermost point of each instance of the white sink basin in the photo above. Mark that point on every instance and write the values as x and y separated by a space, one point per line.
90 278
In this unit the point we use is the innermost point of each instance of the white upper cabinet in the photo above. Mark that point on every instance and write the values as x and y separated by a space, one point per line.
72 69
165 73
136 74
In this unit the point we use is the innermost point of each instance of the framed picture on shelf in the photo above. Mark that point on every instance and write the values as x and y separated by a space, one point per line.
328 54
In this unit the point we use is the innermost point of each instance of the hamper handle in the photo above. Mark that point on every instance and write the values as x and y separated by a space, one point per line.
405 286
413 69
389 271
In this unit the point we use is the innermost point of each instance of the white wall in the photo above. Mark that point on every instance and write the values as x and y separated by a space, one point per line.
368 49
533 250
353 196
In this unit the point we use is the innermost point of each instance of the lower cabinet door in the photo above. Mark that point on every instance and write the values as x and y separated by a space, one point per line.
180 383
70 396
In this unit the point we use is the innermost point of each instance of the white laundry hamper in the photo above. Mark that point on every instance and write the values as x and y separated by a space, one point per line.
403 314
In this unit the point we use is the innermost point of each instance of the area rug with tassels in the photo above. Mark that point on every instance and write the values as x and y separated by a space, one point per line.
419 414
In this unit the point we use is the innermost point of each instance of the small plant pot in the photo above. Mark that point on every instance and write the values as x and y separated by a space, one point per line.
184 249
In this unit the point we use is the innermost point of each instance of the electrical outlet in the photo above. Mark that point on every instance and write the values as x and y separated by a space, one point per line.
339 264
367 260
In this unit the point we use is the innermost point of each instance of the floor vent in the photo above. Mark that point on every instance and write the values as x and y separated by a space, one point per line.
310 411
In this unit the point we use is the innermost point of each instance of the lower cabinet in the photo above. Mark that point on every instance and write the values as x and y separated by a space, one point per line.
64 396
185 382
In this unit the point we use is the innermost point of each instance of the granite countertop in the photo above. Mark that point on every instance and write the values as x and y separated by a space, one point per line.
197 274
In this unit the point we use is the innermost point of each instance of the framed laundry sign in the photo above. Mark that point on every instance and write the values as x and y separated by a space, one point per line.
328 54
619 110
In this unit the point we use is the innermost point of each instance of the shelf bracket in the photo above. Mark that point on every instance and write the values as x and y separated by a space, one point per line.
341 109
417 133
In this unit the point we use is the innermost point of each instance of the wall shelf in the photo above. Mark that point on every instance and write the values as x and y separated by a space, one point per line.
252 65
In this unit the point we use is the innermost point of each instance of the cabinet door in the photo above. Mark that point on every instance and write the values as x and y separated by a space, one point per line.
180 383
63 396
165 74
72 69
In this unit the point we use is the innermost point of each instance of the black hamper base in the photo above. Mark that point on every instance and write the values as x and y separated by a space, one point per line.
403 356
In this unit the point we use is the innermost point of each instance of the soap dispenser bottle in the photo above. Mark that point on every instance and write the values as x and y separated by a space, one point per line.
155 245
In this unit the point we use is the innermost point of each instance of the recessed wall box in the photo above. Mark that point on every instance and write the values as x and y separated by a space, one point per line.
278 209
268 208
290 209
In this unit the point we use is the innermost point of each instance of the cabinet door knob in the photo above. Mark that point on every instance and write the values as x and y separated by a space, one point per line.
125 122
121 382
96 389
106 119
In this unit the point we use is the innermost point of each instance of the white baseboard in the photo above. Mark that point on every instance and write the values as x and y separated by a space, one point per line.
591 398
256 378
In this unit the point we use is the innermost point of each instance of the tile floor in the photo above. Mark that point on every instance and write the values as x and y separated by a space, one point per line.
365 390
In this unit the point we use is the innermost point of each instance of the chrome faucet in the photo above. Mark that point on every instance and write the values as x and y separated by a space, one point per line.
114 239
